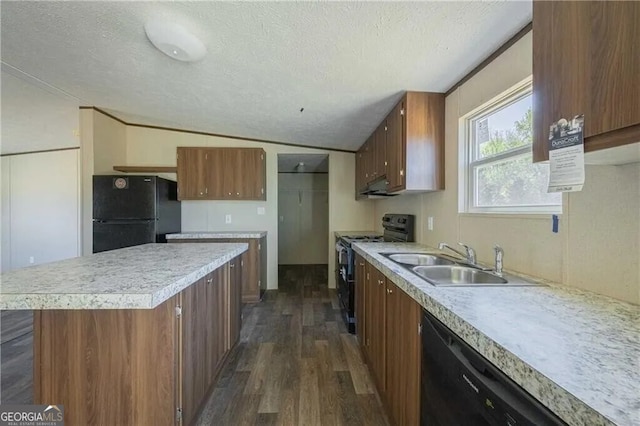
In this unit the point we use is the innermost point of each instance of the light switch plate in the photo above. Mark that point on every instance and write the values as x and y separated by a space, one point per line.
261 210
430 223
227 218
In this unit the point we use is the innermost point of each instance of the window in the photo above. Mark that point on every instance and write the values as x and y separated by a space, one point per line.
499 175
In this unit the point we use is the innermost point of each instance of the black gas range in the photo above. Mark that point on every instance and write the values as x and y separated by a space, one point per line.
397 228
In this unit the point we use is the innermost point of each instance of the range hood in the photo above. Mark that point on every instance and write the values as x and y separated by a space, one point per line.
377 189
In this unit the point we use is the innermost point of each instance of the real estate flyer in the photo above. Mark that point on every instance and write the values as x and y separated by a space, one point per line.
566 155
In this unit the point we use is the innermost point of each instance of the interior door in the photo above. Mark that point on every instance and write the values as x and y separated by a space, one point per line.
313 244
288 226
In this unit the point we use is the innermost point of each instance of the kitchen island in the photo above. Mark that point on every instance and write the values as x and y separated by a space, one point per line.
574 351
132 336
254 281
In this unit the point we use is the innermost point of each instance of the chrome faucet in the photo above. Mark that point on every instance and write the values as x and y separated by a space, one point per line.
470 254
499 255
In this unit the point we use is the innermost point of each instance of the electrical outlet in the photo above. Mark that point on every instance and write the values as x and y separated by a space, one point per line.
261 210
32 260
430 223
227 219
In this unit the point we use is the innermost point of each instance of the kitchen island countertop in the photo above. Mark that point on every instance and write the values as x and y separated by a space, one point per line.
140 277
217 235
339 234
575 351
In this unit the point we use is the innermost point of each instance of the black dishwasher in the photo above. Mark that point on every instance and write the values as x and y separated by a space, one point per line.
460 387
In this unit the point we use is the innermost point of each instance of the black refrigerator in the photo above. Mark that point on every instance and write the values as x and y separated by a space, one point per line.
133 210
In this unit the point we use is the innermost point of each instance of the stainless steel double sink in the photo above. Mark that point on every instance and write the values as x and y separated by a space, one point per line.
446 271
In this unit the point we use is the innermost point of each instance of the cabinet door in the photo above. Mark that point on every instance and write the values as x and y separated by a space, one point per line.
195 351
614 55
381 149
236 267
403 355
368 160
369 282
218 321
191 173
378 335
395 149
395 367
251 272
250 184
232 173
215 173
411 357
360 171
245 176
360 288
595 76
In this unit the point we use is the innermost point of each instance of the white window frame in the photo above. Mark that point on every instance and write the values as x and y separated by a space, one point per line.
468 154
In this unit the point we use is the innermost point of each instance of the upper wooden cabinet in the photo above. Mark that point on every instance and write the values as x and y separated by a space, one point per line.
221 174
192 174
407 148
586 60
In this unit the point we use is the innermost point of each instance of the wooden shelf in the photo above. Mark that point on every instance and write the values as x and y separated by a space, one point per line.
145 169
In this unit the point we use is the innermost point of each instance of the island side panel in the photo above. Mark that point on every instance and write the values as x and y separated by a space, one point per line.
108 366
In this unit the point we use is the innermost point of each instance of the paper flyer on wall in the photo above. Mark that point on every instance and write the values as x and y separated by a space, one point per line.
566 155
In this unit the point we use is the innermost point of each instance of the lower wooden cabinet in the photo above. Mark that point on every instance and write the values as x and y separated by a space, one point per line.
390 341
254 263
236 273
360 299
210 324
132 367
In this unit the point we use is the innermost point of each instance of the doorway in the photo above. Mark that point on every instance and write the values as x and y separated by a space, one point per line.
303 215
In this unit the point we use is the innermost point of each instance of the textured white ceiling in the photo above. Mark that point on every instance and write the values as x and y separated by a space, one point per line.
312 163
346 63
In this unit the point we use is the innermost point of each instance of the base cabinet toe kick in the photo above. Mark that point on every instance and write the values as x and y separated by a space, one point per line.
139 366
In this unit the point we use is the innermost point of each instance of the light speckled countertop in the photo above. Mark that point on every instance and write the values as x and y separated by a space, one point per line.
140 277
216 235
575 351
339 234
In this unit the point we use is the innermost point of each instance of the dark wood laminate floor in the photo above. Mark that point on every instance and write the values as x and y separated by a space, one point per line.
16 357
295 363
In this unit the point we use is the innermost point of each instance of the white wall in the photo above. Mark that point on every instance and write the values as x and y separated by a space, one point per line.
597 247
158 147
40 191
303 215
602 251
44 207
35 116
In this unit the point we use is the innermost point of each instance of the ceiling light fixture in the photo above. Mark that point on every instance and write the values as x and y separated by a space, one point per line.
174 40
